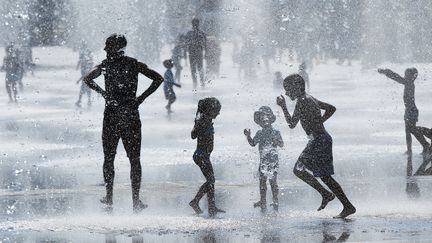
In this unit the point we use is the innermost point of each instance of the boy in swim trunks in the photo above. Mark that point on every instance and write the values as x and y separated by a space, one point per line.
317 157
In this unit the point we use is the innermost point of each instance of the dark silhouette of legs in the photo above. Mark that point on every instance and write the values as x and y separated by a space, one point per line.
128 128
263 192
110 141
206 167
131 138
193 67
12 90
178 68
337 190
208 186
408 138
410 128
275 191
9 90
200 70
314 183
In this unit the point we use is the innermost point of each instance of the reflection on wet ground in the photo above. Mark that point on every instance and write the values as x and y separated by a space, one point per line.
76 216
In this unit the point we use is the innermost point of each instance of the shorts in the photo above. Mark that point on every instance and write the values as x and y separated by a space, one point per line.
125 125
411 116
269 165
317 156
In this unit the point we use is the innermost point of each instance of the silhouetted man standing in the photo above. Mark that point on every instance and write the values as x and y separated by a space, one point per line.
196 44
121 116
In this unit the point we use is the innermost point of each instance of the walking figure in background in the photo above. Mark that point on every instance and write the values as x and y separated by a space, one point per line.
197 44
268 139
168 85
212 56
121 115
278 81
85 62
14 69
318 155
203 131
411 111
178 53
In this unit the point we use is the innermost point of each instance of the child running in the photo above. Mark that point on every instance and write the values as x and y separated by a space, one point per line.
268 139
203 131
168 84
317 156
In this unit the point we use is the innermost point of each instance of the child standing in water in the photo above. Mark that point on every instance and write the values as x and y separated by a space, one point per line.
168 84
317 156
268 139
203 131
411 111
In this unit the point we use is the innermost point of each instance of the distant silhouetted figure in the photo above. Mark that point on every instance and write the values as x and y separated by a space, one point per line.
168 84
197 44
303 73
411 111
14 69
178 53
85 62
317 156
212 56
203 131
248 57
121 116
268 139
278 81
236 57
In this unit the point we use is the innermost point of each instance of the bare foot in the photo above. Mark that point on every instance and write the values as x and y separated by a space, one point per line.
106 201
346 212
139 206
195 206
326 200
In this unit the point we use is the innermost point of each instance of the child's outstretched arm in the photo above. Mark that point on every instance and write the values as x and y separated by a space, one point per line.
251 141
291 120
392 75
329 110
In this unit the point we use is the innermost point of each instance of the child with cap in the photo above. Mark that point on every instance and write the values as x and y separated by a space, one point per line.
268 139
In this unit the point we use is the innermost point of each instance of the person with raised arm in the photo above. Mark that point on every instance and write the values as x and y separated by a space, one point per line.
411 111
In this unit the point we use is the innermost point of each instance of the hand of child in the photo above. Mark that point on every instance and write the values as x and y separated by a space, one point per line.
247 132
280 101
